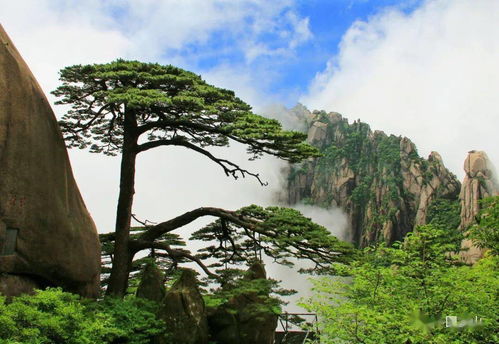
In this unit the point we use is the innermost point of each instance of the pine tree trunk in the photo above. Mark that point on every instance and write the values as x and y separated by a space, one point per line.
122 258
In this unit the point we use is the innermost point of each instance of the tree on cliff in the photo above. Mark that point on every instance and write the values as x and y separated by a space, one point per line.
129 107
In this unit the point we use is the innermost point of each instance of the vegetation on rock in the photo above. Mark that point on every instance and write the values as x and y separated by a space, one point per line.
236 238
379 180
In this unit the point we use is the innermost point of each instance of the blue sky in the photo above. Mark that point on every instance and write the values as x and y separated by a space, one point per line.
328 22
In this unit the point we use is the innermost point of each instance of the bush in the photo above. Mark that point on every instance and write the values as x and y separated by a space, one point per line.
54 316
485 233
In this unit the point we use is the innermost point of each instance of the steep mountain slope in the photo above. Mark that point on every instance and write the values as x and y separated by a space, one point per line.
379 180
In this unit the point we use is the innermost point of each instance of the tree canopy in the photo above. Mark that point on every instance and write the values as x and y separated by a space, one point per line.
130 107
170 107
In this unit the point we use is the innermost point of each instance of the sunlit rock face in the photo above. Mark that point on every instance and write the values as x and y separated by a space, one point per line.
479 182
379 180
47 237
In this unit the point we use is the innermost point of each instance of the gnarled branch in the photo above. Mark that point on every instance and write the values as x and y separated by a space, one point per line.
230 168
175 254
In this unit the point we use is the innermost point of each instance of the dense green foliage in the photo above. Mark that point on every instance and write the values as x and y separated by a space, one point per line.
446 214
53 316
403 294
485 233
170 106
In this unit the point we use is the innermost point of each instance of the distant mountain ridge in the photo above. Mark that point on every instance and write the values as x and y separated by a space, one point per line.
380 181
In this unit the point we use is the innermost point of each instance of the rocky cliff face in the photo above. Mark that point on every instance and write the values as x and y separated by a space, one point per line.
47 236
380 181
479 182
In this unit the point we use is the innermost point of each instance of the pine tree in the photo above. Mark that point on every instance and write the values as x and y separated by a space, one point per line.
129 107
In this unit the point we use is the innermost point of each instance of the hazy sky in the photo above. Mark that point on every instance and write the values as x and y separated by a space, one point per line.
428 70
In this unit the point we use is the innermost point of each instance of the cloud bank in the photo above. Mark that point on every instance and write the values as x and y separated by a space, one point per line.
431 75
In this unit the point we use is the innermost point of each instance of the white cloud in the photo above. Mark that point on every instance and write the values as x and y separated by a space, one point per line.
247 83
301 30
50 38
431 75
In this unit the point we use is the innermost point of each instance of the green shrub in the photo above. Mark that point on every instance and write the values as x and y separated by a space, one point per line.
485 233
54 316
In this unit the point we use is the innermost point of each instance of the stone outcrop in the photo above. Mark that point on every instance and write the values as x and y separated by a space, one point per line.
378 180
47 236
152 284
183 311
243 319
18 283
479 182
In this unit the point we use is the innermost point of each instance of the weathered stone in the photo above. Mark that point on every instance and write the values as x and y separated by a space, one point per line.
479 182
51 237
183 311
317 132
152 285
223 325
15 285
243 319
441 183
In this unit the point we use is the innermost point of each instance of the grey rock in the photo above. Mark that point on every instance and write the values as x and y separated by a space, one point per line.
183 311
151 285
